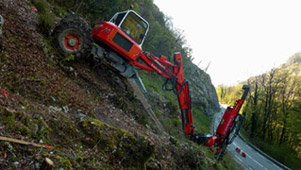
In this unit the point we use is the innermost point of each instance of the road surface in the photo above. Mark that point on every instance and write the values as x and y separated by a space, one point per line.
253 160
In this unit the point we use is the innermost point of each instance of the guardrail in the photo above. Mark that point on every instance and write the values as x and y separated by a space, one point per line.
265 155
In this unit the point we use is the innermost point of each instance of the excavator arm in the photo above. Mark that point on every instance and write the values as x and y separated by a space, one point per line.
174 75
183 94
227 129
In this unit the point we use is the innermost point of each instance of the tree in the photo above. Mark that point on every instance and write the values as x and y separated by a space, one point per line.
221 91
269 83
254 102
287 96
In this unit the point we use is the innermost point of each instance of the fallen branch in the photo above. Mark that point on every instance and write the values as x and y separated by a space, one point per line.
47 164
2 138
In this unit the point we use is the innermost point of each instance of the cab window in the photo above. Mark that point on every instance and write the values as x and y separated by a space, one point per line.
118 18
135 27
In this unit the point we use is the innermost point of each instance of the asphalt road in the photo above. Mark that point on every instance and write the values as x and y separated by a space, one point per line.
253 160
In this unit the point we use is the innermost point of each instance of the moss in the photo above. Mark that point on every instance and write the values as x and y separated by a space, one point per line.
103 166
128 149
67 164
63 129
24 130
10 120
7 119
61 162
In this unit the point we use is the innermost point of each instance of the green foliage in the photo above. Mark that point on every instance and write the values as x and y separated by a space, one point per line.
46 18
273 111
228 95
66 60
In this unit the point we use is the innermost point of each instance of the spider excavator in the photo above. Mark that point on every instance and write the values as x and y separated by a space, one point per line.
118 44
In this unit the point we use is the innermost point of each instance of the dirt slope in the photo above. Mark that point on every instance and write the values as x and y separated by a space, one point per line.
88 114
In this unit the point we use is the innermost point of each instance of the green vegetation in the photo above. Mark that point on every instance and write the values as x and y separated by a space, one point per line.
46 18
273 111
201 121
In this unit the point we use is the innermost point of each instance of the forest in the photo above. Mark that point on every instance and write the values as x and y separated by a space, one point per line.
273 110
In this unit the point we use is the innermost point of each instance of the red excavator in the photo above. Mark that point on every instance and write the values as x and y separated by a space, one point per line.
118 44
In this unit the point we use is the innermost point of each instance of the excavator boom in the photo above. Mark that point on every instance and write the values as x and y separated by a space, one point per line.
174 75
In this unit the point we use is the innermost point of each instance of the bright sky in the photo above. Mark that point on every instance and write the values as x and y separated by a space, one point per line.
239 38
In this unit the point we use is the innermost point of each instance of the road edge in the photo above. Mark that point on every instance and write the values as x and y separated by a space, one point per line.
264 154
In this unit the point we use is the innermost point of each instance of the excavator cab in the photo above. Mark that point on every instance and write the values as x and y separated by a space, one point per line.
132 24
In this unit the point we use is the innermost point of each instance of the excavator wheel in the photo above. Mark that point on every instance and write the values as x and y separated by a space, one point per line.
72 37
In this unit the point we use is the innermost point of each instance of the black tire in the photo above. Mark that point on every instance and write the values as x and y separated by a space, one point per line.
72 37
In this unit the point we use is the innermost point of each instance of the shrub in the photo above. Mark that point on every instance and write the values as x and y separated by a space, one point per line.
46 18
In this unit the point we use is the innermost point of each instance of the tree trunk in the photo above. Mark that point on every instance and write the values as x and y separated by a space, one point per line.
254 111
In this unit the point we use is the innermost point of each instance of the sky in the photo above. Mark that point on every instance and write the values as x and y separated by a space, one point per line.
238 38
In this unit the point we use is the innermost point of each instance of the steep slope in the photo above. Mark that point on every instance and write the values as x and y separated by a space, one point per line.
203 92
88 114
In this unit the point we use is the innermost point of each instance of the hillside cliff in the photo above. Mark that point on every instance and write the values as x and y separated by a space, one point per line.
203 92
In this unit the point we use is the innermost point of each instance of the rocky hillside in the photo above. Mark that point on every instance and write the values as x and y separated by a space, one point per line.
203 92
88 114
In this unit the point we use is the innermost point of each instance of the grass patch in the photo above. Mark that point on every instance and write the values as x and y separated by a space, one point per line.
230 163
155 82
201 121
